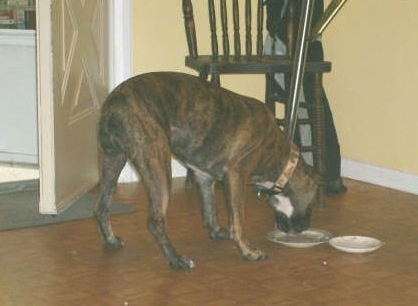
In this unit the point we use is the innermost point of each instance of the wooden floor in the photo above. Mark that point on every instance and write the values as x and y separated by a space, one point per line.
65 265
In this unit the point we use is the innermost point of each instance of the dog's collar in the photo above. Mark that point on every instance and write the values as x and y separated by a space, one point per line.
286 174
280 185
289 168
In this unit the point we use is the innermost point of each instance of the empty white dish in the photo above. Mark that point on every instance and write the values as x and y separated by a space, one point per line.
355 244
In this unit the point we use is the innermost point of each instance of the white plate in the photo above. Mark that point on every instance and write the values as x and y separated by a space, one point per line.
355 244
305 239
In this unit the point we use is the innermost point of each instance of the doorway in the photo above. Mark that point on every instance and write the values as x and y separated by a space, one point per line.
18 124
121 62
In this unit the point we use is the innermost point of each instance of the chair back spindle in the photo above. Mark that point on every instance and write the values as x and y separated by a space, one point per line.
292 18
248 20
224 24
237 40
190 28
212 24
260 26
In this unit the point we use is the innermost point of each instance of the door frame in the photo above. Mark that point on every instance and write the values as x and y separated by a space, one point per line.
121 41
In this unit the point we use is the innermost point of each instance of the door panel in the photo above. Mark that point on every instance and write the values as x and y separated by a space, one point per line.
73 81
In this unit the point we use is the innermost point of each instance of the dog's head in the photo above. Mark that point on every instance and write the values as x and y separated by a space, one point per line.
293 204
292 215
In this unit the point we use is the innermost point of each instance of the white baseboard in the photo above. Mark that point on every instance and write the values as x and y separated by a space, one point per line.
379 176
128 175
178 169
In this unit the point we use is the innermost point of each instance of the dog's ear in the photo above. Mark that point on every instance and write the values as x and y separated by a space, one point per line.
316 176
313 174
304 184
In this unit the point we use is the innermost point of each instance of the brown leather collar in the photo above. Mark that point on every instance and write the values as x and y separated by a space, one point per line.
289 168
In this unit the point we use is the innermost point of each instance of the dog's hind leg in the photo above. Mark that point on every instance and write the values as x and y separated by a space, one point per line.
206 187
153 163
110 171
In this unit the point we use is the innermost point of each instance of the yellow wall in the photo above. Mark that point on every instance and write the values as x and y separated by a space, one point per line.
373 45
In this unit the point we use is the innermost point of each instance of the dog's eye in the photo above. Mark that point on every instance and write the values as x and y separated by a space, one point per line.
267 192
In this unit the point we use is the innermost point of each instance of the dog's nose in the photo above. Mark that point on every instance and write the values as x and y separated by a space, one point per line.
298 228
294 225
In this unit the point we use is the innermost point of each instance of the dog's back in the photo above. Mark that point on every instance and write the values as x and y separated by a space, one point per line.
198 119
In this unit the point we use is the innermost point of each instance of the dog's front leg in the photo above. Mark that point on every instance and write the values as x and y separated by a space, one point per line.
235 202
206 187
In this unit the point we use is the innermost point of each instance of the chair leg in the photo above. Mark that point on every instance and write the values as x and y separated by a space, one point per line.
270 103
189 179
215 79
203 75
318 136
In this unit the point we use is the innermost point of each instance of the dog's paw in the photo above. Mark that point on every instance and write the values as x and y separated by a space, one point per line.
115 244
181 263
219 234
255 255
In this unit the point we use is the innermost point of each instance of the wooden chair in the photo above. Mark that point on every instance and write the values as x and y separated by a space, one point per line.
253 60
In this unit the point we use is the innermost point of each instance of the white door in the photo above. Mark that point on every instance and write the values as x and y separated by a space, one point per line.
73 80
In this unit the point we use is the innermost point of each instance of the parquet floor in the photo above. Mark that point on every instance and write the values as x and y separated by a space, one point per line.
65 265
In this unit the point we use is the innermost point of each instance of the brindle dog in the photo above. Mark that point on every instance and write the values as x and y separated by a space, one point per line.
214 132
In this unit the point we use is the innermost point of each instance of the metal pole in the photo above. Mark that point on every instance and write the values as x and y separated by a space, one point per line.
331 11
299 61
